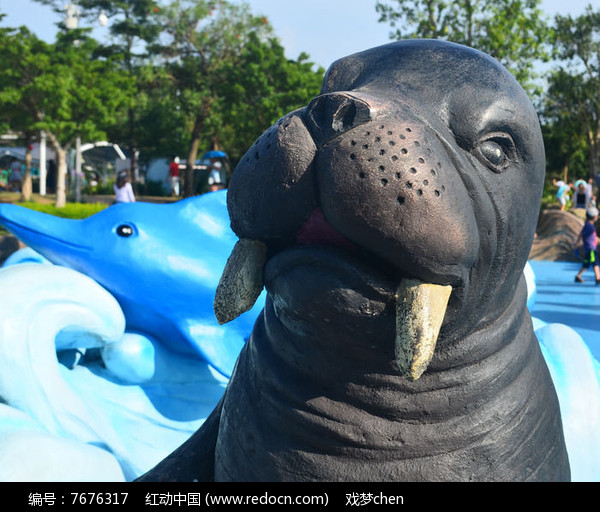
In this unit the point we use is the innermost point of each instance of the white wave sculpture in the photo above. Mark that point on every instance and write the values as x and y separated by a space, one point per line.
91 422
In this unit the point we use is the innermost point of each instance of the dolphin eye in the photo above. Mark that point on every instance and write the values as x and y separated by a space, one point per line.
125 230
496 151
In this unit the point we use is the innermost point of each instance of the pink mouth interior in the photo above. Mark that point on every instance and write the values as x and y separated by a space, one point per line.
317 231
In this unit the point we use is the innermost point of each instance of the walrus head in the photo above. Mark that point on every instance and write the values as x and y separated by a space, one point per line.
403 200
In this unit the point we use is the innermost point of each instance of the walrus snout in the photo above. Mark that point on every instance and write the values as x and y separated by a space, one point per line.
387 185
271 193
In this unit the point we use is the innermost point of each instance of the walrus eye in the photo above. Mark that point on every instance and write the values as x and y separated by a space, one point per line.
492 151
495 152
125 230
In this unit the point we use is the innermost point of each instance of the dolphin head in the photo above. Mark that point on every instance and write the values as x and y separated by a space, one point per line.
162 262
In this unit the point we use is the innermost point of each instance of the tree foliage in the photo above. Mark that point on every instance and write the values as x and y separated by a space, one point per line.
133 25
162 127
61 88
265 87
18 69
203 37
177 77
573 96
209 50
512 31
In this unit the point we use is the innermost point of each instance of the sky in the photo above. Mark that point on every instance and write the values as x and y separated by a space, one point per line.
325 29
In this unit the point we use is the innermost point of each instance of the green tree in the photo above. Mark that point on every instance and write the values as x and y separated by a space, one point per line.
204 40
570 127
566 151
573 97
515 32
260 89
18 67
133 24
61 88
162 125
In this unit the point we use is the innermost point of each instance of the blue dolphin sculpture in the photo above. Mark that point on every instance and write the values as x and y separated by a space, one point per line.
162 262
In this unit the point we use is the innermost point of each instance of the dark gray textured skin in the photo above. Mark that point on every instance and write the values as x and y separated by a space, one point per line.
396 154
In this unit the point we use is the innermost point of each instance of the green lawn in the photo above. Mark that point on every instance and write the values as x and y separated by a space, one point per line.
69 211
46 204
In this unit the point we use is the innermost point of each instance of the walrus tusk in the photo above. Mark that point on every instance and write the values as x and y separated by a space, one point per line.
242 280
420 310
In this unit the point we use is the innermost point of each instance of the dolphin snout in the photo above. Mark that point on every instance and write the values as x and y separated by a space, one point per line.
47 234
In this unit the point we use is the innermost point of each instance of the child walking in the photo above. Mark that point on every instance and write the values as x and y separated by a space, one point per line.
590 244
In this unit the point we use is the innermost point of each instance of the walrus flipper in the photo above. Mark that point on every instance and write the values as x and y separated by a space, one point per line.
194 460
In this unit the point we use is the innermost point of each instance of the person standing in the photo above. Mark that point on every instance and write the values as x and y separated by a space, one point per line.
123 189
590 193
173 176
562 193
216 177
15 180
590 245
581 194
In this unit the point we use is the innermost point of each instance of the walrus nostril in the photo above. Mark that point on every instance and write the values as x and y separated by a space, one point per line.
343 119
331 115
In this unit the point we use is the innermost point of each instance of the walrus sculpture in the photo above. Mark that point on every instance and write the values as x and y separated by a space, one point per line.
402 201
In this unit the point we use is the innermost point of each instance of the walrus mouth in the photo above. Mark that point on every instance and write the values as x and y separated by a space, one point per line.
420 307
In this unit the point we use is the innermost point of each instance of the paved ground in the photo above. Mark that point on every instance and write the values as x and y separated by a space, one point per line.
555 264
561 300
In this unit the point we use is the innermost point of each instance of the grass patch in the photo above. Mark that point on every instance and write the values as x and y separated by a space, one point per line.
69 211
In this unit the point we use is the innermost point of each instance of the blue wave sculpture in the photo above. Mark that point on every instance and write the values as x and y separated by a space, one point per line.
574 369
576 377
